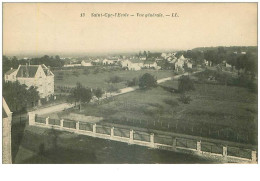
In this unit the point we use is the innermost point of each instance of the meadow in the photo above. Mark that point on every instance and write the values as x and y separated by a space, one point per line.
98 77
216 111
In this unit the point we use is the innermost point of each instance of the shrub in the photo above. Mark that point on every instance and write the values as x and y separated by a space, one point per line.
115 79
147 81
171 102
185 84
184 99
133 82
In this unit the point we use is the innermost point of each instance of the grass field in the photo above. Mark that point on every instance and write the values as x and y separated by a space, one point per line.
99 80
216 111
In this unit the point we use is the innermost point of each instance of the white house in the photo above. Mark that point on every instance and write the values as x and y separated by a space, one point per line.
130 65
149 64
189 65
142 57
179 64
85 64
228 65
11 75
107 62
38 76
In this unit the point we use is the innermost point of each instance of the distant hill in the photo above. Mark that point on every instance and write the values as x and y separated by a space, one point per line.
232 48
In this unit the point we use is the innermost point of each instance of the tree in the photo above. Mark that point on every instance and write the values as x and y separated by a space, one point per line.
147 81
98 92
18 96
185 84
81 94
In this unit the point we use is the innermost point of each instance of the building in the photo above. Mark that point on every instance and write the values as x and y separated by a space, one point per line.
7 123
86 64
38 76
11 75
108 62
131 66
180 62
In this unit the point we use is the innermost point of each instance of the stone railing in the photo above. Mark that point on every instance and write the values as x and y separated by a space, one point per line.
144 139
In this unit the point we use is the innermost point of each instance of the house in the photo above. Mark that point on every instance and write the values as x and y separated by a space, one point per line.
72 65
86 64
243 53
38 76
179 64
142 57
131 66
7 123
151 64
11 75
228 65
189 64
108 62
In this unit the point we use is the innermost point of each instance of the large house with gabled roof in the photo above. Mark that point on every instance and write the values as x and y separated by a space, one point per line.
38 76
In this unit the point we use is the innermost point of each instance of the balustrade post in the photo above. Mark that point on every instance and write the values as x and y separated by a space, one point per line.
31 118
61 122
174 143
225 151
152 139
47 121
131 139
254 156
199 146
112 132
77 126
94 128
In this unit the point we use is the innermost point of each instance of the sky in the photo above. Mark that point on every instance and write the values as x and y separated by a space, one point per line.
42 28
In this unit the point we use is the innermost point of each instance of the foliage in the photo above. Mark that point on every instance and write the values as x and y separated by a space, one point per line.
98 92
112 88
185 84
75 73
18 97
115 79
133 82
81 94
171 102
184 99
86 71
147 81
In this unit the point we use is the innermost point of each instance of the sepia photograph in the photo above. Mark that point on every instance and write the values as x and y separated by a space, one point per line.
129 83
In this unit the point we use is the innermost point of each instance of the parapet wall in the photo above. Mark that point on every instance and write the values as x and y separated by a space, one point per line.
222 153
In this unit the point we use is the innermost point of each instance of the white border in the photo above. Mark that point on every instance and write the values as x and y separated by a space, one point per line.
133 172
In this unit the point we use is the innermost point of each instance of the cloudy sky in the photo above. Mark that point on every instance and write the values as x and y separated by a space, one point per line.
58 28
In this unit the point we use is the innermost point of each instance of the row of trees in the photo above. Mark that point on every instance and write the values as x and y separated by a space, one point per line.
47 60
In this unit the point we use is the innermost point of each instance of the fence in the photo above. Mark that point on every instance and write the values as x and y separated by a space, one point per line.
159 141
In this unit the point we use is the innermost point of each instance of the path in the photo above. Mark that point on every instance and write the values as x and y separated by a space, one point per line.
131 89
52 109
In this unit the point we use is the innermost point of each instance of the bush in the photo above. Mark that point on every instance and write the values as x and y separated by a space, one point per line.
75 73
185 84
86 71
171 102
184 99
115 79
147 81
112 88
133 82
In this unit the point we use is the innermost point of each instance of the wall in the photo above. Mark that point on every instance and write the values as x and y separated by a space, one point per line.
177 144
